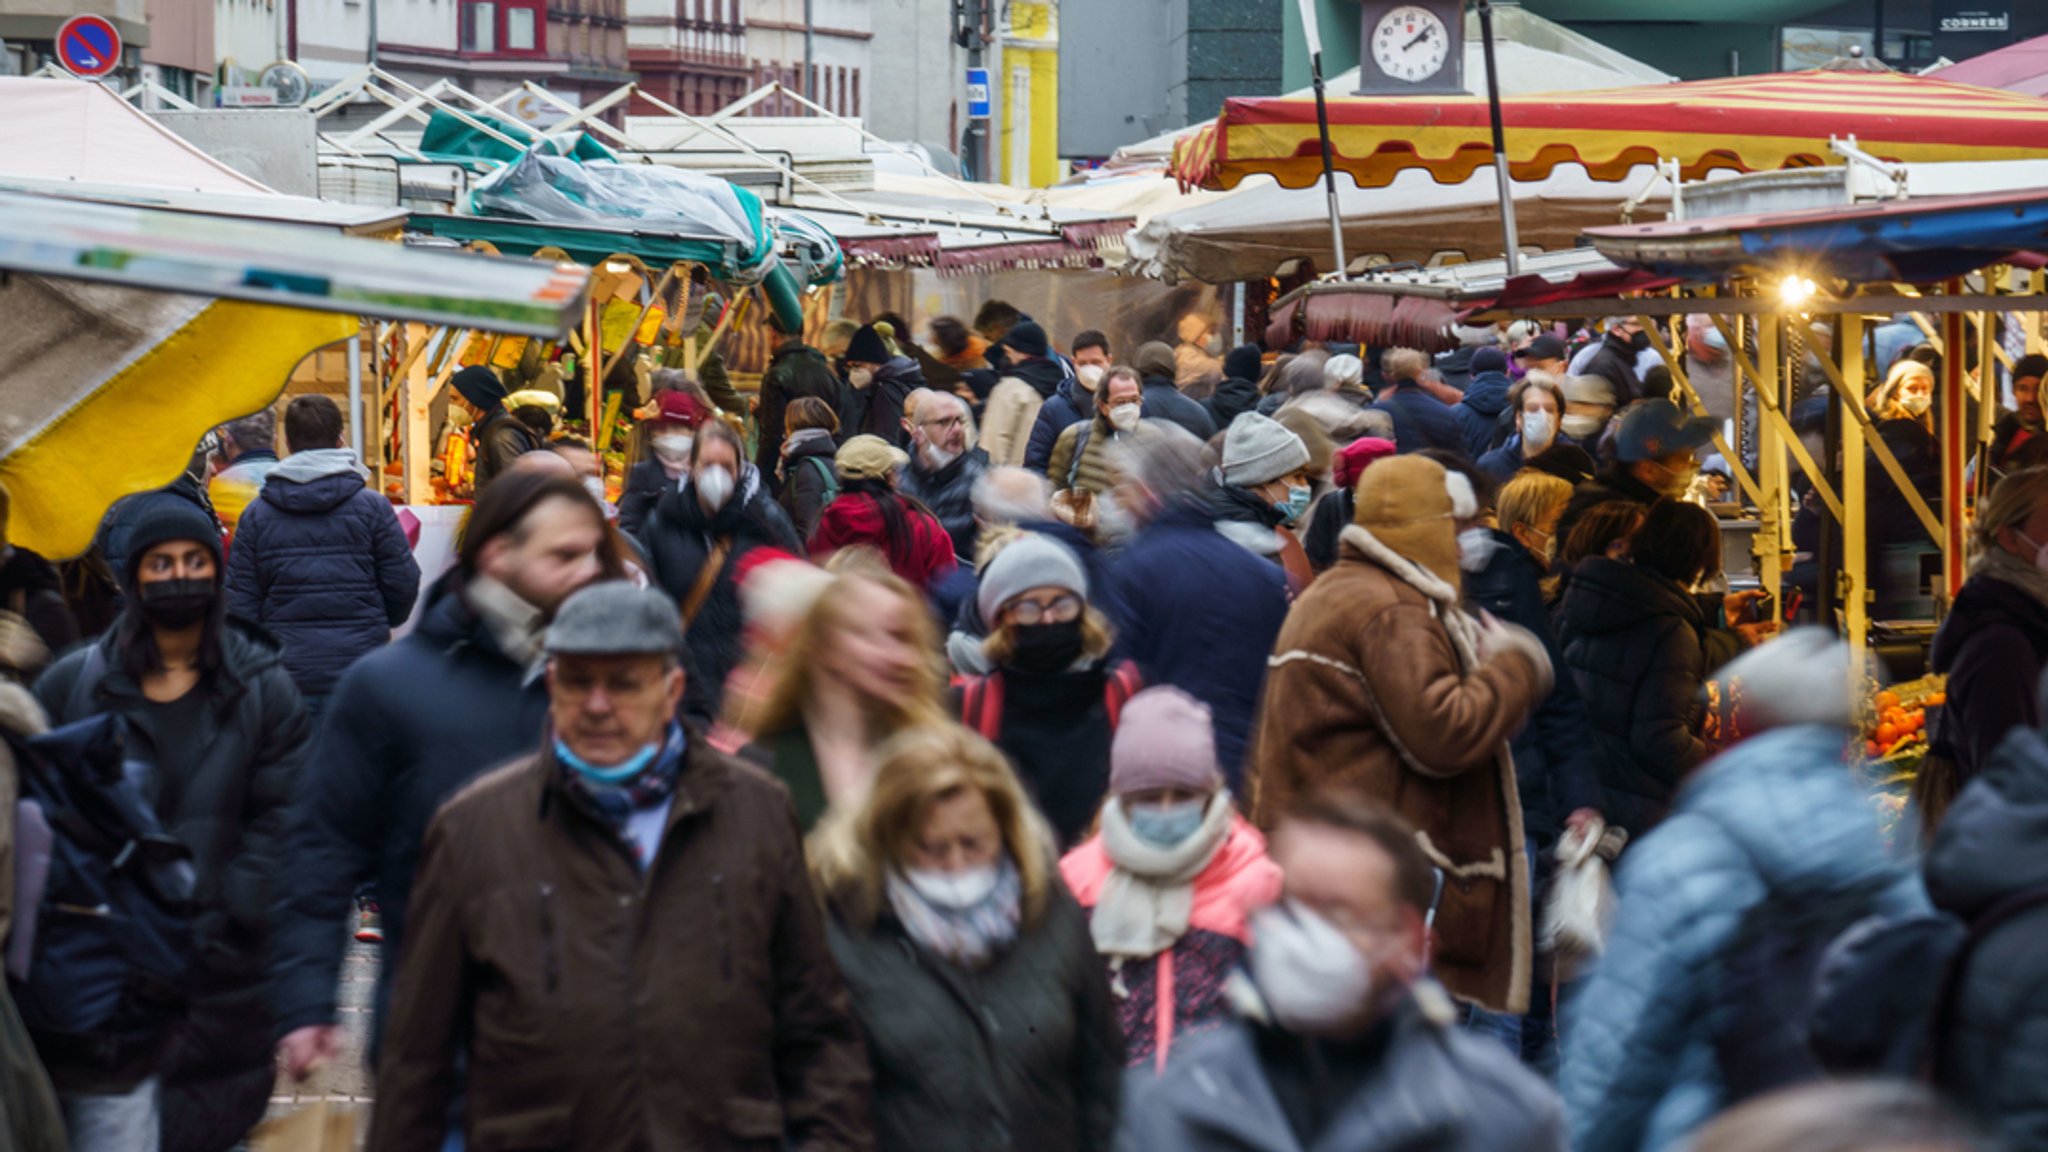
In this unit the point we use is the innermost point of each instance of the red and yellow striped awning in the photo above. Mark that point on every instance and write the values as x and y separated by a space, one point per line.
1748 124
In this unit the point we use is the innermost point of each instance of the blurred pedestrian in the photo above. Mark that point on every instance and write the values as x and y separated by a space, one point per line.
248 451
2022 426
31 1119
1994 643
795 371
411 723
1009 500
1382 683
871 511
320 559
955 346
859 669
987 1018
1865 1116
1536 405
671 432
208 706
32 589
626 903
1171 877
943 466
1053 696
701 531
1769 844
1486 397
496 436
1081 467
1343 1042
1334 511
1156 365
805 474
1238 391
878 380
1032 376
1197 611
1616 357
1420 419
1655 447
1073 401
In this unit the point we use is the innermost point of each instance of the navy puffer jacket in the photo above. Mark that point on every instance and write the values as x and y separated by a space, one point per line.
320 561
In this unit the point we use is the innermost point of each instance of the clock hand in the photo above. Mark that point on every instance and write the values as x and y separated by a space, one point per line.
1419 38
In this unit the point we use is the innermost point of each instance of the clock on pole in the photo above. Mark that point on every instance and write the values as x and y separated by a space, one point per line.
1411 47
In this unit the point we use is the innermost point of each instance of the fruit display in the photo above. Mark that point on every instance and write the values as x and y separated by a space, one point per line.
1895 741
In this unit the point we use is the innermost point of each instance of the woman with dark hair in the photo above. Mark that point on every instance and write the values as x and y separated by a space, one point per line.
809 479
1636 641
702 531
209 706
870 511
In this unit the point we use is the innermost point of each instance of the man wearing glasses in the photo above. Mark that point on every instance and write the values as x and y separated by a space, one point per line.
944 464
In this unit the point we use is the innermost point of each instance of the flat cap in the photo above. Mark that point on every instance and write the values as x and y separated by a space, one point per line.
614 618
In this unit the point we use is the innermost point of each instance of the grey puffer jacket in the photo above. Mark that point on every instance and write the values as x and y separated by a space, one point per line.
1436 1087
949 493
1988 851
1024 1055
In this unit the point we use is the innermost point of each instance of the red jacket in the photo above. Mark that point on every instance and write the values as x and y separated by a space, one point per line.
1181 990
856 518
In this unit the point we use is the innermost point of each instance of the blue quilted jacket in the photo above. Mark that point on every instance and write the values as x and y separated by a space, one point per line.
1777 814
320 561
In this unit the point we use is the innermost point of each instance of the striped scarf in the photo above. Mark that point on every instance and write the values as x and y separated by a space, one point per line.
613 805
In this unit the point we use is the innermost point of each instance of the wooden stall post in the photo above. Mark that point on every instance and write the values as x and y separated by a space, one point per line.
1954 439
1854 585
419 447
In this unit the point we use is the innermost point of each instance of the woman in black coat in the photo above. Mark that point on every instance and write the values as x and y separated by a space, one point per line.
1994 643
700 533
809 478
209 706
987 1014
1636 641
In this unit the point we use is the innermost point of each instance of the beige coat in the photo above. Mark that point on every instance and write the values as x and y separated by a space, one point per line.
1377 684
1006 421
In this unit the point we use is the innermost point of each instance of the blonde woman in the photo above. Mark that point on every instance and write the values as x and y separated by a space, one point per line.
860 668
987 1015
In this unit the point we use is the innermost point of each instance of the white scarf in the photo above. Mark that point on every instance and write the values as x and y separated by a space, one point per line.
1149 896
519 628
2006 568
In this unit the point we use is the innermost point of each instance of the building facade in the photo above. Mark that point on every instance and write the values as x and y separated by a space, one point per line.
1212 49
921 93
841 52
690 54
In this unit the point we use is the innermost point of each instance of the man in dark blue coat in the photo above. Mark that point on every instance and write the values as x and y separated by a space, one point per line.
320 559
1163 399
1420 419
413 722
1486 397
1072 401
1192 608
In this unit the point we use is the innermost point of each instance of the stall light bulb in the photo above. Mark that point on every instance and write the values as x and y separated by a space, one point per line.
1796 290
617 267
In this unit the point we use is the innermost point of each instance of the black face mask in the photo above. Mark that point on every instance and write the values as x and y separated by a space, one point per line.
176 604
1047 648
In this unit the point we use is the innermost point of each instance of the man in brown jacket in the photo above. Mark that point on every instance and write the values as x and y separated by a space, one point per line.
619 935
1380 683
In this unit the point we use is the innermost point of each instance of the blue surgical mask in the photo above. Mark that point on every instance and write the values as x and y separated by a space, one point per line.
1296 504
619 773
1167 825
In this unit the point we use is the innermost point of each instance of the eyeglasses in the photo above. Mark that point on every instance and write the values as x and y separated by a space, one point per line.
1061 610
948 422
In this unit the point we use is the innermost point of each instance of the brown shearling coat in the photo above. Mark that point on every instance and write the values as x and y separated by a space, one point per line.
694 1007
1375 686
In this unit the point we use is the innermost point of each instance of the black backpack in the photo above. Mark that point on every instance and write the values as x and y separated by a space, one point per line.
103 935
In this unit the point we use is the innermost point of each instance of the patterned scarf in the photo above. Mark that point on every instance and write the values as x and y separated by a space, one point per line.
613 805
969 937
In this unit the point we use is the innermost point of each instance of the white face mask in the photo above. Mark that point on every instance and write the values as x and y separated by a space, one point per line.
714 487
1124 417
1311 976
861 377
1475 549
2040 550
962 889
673 448
1916 403
1536 430
1090 375
1582 428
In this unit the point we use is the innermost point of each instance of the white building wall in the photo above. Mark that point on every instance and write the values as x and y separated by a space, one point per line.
415 23
248 36
775 35
921 92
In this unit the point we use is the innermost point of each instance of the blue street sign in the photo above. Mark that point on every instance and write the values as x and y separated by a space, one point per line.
977 94
88 46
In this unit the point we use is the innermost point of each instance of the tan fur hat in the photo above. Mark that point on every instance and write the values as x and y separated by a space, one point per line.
1412 505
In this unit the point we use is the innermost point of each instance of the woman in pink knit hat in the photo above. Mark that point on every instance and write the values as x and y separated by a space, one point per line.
1170 877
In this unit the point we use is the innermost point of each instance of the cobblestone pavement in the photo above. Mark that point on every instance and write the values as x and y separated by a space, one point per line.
346 1082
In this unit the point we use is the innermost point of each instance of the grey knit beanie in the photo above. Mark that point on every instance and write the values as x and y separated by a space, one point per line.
1258 449
1030 561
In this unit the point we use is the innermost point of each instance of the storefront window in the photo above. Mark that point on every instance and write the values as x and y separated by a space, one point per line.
480 27
519 30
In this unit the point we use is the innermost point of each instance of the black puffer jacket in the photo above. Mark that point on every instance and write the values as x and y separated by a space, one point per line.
1988 851
645 482
407 725
797 370
810 480
230 809
877 410
1992 647
1025 1054
31 588
1635 643
949 493
320 560
678 541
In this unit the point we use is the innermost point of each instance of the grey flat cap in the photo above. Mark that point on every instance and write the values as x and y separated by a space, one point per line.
616 619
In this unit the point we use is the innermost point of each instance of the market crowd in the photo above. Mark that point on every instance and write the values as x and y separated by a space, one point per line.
982 740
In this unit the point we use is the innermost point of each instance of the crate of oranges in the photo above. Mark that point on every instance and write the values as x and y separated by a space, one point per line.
1895 734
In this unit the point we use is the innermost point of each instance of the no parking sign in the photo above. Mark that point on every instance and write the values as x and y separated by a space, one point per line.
88 46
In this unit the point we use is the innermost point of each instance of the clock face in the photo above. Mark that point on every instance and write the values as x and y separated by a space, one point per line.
1410 44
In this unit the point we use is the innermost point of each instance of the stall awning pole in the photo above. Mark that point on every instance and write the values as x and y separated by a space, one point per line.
1500 142
1954 437
1855 581
1315 63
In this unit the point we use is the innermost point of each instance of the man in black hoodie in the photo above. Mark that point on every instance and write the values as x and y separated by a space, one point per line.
796 370
498 437
1486 397
1239 391
1163 399
878 381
